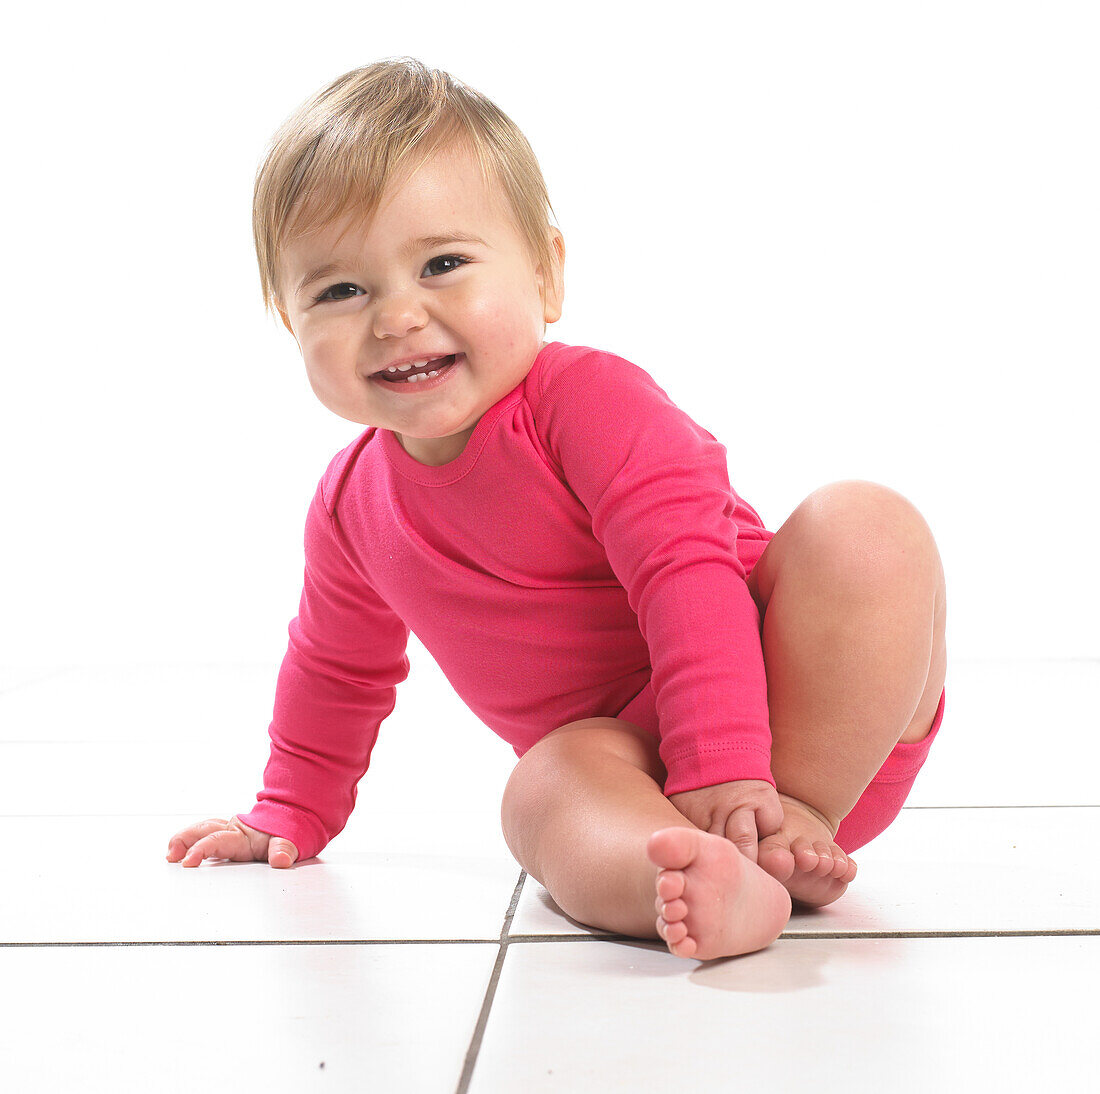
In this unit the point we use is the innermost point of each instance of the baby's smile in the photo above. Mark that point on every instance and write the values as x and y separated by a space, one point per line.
416 373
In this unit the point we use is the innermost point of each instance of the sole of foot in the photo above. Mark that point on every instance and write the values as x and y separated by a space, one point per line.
711 900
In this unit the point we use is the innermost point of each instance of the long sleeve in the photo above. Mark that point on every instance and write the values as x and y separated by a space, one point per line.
657 488
337 682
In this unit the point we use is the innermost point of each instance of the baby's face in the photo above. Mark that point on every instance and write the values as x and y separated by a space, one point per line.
440 272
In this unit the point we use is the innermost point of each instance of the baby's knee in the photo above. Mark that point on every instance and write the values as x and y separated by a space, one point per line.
591 741
582 743
551 766
868 534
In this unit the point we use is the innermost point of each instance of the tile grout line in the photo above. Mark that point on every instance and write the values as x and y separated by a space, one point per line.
800 936
490 992
807 936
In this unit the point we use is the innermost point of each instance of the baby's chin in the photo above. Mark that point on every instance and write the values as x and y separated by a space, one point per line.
349 415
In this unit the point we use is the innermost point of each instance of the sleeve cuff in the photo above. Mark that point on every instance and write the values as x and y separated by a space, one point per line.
699 767
286 822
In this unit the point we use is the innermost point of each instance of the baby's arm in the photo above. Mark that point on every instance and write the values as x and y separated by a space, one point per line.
744 811
656 485
337 683
231 840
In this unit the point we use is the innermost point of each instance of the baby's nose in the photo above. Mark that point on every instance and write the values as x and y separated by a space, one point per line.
397 314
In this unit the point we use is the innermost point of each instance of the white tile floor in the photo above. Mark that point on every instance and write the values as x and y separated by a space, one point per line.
409 958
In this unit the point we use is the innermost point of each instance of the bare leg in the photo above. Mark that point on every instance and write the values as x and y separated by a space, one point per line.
578 814
851 591
851 594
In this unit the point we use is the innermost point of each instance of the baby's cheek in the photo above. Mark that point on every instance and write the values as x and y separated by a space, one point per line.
337 385
325 392
484 314
506 320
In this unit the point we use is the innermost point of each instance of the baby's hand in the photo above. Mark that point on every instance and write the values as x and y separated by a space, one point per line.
744 811
232 840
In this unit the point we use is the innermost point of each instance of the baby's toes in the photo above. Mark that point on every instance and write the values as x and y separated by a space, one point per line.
839 863
774 855
672 933
844 868
813 858
806 857
680 945
670 884
825 859
674 911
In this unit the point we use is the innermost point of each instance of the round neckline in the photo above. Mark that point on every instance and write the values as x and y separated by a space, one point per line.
446 473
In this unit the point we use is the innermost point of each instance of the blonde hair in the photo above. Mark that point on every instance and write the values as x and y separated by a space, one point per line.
373 127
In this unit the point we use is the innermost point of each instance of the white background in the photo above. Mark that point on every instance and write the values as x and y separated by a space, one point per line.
852 240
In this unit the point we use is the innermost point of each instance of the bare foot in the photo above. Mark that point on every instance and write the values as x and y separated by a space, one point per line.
803 856
711 900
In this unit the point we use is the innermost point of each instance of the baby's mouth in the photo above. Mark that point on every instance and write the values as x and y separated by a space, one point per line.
436 365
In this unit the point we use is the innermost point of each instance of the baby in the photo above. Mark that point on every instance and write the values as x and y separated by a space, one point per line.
709 717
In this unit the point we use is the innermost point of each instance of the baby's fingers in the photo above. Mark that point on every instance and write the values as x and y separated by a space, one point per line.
182 840
230 843
281 853
741 831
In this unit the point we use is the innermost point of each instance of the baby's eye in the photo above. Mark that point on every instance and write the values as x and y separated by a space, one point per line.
333 292
452 263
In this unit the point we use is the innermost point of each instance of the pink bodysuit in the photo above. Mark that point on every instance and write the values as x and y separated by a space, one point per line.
585 550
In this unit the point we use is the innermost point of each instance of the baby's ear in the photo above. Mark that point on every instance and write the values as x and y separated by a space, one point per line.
553 287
